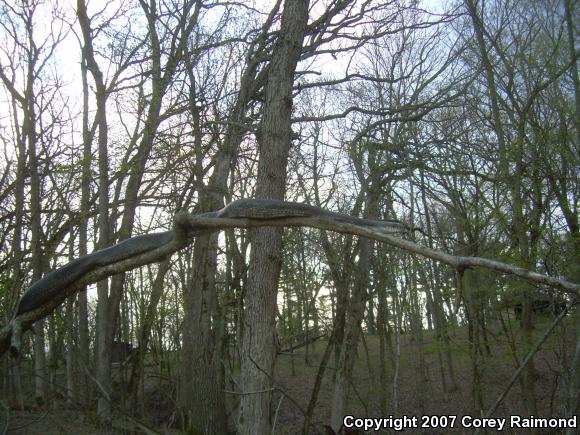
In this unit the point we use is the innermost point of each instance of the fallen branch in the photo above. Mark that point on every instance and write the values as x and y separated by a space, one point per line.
522 366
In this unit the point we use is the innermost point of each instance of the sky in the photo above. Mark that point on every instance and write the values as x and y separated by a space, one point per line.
66 62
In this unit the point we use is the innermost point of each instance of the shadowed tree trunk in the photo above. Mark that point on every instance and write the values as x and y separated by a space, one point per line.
103 354
355 314
82 303
354 317
274 139
202 395
30 137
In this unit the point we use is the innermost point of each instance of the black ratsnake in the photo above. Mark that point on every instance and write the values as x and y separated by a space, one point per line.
47 287
43 290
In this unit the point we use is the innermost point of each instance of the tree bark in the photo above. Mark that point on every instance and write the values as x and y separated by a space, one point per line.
203 381
103 352
82 302
274 140
29 133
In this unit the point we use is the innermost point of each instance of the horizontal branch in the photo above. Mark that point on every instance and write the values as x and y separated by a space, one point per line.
187 227
385 235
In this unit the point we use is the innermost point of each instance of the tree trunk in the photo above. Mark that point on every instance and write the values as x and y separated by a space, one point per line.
355 315
82 303
204 343
29 132
204 372
103 352
274 140
157 290
17 270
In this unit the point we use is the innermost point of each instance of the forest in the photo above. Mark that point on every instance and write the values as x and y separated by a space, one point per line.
305 217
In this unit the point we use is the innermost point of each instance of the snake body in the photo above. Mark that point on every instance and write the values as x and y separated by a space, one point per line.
45 289
275 209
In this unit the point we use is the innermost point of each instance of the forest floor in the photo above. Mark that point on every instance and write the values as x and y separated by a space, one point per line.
418 394
421 395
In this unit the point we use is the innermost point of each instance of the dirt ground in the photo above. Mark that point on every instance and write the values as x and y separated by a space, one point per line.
418 395
427 397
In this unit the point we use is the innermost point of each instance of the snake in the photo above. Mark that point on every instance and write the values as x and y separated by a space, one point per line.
43 290
46 288
257 208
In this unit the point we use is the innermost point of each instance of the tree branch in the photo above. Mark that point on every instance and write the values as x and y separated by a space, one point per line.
188 226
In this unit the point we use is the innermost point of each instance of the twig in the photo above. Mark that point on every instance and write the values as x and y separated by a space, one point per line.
276 414
524 363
